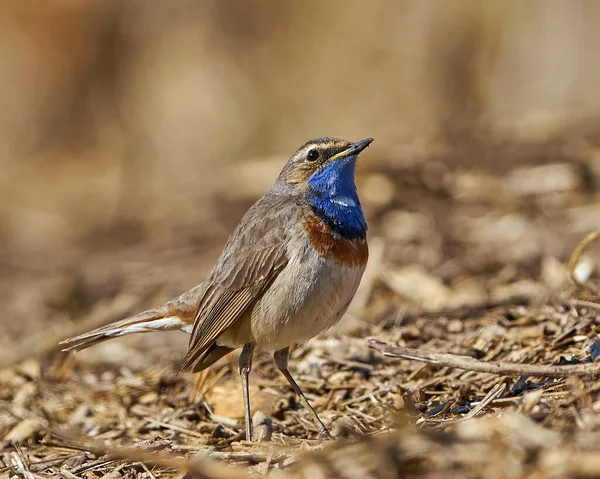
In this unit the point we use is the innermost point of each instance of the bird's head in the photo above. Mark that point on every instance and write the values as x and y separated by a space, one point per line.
320 161
323 171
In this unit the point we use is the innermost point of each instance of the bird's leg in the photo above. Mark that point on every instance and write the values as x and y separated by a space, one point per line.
245 367
281 360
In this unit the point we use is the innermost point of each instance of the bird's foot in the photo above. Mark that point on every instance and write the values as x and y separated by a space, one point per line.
324 434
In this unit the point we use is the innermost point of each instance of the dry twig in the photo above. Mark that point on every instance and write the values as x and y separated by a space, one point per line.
574 259
492 367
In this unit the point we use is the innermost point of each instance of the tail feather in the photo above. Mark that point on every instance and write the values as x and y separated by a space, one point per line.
177 314
151 320
209 357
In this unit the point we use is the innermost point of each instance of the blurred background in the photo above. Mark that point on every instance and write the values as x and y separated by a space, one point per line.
134 135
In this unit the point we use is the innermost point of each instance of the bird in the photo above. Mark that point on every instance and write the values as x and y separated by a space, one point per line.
288 272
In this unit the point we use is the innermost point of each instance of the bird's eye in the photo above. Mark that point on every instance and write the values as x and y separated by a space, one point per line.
312 155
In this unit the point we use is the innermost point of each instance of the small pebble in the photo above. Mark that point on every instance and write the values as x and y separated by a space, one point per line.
455 326
263 427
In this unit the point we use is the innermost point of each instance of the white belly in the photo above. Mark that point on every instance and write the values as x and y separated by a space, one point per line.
309 296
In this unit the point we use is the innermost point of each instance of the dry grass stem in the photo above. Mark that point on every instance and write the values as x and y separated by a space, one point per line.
470 364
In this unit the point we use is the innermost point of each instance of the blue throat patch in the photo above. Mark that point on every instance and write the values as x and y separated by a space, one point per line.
332 194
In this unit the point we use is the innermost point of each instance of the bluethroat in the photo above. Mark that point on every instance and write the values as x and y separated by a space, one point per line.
287 273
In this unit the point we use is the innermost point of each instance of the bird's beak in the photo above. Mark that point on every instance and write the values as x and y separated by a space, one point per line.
353 150
356 148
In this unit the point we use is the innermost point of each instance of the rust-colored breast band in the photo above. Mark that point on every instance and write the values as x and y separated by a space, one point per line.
347 252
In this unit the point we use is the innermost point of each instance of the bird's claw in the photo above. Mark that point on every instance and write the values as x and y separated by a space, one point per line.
324 434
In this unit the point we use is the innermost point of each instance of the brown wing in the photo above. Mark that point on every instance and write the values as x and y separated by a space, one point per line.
253 257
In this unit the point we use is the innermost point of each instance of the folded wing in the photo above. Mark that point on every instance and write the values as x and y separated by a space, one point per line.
253 257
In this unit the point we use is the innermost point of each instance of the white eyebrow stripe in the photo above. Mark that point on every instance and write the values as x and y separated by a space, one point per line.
301 154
